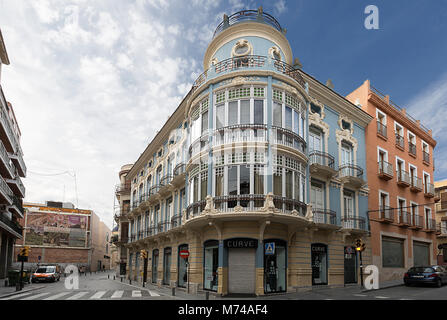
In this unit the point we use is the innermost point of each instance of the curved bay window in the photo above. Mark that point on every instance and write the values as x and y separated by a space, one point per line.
275 266
239 180
211 259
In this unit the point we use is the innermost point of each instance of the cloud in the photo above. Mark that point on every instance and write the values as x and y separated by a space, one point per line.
430 106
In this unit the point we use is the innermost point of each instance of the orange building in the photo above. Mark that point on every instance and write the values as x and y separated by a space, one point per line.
400 170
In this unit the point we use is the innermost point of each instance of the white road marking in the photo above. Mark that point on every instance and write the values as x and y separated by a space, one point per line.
360 295
98 295
380 297
36 296
136 293
153 293
78 295
17 296
57 296
117 294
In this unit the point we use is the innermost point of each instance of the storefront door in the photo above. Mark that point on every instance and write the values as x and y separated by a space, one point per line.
182 267
211 258
275 266
167 266
319 264
350 265
241 270
154 265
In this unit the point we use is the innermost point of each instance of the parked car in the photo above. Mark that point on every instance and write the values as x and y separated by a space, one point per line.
436 275
46 273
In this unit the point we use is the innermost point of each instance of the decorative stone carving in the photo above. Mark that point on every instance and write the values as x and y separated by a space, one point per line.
184 216
242 43
269 204
238 81
309 214
209 207
238 209
343 118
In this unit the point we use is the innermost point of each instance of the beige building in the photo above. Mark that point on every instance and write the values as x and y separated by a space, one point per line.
12 167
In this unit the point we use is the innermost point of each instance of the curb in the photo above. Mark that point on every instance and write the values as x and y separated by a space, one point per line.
19 292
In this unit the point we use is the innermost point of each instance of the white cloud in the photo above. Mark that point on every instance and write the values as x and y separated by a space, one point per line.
280 7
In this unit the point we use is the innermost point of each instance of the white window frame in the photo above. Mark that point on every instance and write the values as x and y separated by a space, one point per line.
404 207
382 114
409 133
427 145
396 124
384 151
403 162
387 198
415 171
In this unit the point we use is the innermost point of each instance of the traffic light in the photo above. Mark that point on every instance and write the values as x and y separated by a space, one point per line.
358 245
143 254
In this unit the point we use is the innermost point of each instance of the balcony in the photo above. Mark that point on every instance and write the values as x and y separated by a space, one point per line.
288 138
386 214
385 170
351 174
6 193
248 207
416 222
400 142
7 135
16 186
403 178
412 149
176 221
153 194
12 227
325 217
381 130
164 226
17 207
429 190
165 185
426 157
404 218
121 213
322 163
247 15
123 188
354 224
178 178
240 133
17 159
249 62
430 225
416 184
6 167
441 229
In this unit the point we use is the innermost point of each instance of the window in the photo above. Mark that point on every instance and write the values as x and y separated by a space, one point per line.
204 122
245 112
315 109
392 253
220 116
232 113
345 125
288 118
259 112
277 114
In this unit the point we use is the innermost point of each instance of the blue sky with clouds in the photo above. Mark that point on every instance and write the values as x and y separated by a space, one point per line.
92 81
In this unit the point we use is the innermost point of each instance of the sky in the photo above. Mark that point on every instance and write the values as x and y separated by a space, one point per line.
91 82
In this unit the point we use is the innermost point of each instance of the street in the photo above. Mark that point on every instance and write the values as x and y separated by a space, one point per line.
95 286
101 286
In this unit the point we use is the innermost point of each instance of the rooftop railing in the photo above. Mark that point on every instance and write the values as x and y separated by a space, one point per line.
247 15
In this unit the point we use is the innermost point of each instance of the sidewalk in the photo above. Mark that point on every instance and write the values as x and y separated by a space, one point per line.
9 291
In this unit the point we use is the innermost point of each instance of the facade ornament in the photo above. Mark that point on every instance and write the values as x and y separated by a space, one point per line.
269 204
309 213
340 124
209 207
184 216
238 81
238 209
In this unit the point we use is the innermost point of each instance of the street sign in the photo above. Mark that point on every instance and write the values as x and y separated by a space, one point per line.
184 254
270 248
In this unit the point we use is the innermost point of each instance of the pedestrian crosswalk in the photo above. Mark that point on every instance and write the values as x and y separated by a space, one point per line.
84 295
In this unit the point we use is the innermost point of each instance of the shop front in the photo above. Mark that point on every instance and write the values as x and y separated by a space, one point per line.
211 261
167 265
350 265
154 265
275 266
319 264
241 265
182 267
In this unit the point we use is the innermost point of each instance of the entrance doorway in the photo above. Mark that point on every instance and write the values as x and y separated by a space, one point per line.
167 266
350 265
154 265
241 270
319 264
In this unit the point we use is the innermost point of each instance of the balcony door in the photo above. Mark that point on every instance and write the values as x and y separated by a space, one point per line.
315 141
346 158
317 200
348 202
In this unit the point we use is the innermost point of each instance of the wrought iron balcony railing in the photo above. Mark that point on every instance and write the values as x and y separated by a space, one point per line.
386 213
350 170
165 180
247 15
403 177
426 157
381 129
429 189
288 138
321 158
179 169
400 141
416 183
324 216
412 148
240 133
12 224
355 223
385 168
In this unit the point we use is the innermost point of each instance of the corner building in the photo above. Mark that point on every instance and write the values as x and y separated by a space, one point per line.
259 174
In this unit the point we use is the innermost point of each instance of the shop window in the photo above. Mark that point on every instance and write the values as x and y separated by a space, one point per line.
182 267
211 259
319 263
275 266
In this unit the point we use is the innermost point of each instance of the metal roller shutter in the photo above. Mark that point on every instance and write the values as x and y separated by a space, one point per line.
421 254
241 271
